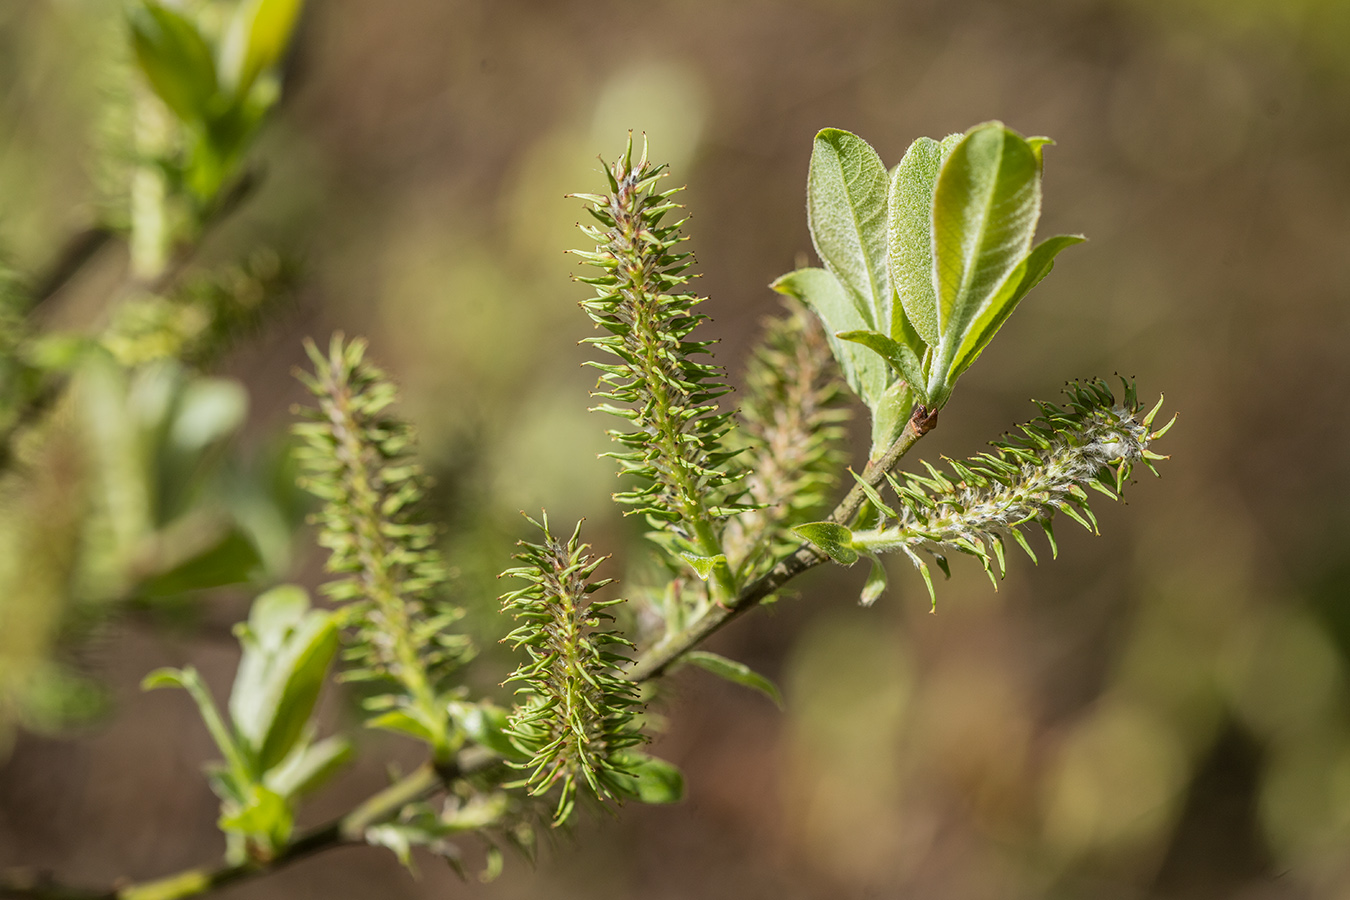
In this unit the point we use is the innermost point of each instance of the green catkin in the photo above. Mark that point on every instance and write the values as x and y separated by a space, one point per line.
356 458
577 717
656 382
1092 443
792 421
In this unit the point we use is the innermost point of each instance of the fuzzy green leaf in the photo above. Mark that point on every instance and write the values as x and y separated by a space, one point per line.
175 59
828 299
275 613
985 208
1029 273
486 725
649 779
900 356
1038 145
294 684
846 212
875 585
162 678
208 410
308 766
835 541
403 721
231 560
910 232
287 651
190 680
265 816
890 416
703 565
736 672
257 38
253 699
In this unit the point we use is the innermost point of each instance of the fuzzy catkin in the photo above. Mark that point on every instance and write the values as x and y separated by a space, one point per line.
356 458
1093 442
656 381
576 718
793 423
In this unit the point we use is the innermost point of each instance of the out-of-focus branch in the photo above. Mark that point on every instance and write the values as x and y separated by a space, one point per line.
79 249
350 829
79 252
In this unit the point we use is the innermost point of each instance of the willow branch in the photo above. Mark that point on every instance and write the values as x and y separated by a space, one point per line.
78 253
427 780
659 657
349 829
221 208
78 250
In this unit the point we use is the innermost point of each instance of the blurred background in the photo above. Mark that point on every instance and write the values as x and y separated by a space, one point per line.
1163 712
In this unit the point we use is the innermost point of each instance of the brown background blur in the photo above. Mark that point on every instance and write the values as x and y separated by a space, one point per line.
1163 712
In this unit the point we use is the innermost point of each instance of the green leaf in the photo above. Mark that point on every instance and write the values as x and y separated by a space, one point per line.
225 785
736 672
703 565
890 416
297 678
875 585
486 724
1029 273
901 357
231 560
398 838
1038 145
401 721
308 766
835 541
829 300
162 678
189 679
482 811
175 59
265 817
258 36
846 212
287 651
649 779
275 613
909 232
208 410
985 208
493 863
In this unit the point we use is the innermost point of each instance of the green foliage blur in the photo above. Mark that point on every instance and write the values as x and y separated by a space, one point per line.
1162 713
120 493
